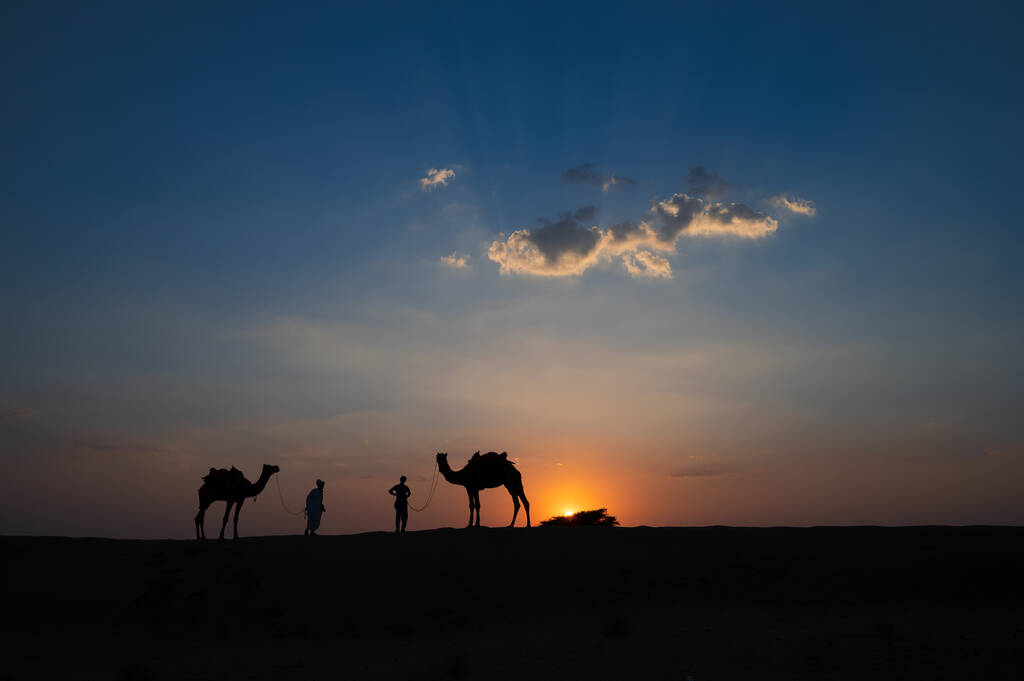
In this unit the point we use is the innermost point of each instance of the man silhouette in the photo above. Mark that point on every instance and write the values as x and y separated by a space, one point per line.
314 508
401 494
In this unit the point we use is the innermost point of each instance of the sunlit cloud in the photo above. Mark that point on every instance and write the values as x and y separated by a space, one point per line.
455 261
588 173
571 246
562 248
519 254
690 216
794 205
436 177
646 264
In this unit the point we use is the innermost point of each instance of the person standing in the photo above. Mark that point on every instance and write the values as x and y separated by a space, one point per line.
401 493
314 508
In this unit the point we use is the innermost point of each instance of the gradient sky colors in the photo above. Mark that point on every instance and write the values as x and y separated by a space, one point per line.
710 264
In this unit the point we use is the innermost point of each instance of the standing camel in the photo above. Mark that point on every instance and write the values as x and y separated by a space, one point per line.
483 472
232 487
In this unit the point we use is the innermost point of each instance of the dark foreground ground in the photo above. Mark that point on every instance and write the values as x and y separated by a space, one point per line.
544 603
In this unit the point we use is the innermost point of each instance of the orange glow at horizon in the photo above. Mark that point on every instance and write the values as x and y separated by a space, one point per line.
563 483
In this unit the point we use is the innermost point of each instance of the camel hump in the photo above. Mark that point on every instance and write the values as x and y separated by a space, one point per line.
220 476
494 457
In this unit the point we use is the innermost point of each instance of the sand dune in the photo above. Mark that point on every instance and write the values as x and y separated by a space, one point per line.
558 603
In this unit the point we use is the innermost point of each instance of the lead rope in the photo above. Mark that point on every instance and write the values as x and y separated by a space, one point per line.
281 497
430 495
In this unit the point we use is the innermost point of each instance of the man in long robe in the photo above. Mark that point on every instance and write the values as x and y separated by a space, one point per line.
314 508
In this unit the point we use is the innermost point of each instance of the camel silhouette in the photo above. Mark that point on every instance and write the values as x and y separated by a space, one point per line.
232 487
483 472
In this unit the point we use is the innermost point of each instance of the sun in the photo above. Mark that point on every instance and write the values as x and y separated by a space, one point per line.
569 512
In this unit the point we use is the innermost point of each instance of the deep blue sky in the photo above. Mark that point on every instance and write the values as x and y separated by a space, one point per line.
197 202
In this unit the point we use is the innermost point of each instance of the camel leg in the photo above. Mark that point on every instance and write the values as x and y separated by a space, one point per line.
201 521
476 500
526 505
238 508
515 506
227 512
471 507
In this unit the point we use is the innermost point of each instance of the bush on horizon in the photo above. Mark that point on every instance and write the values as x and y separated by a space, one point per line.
597 517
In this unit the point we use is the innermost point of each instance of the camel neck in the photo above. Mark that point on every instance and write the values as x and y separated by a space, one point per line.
258 486
450 475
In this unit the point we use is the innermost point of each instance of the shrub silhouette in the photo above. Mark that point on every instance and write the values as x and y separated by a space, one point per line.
597 516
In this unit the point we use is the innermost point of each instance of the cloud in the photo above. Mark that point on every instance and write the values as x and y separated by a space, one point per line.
584 174
436 177
18 414
994 453
588 173
699 467
455 261
707 185
615 179
628 236
794 205
570 247
676 214
106 446
562 248
700 471
647 264
712 219
569 235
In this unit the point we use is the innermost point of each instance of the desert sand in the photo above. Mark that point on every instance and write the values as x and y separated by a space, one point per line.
541 603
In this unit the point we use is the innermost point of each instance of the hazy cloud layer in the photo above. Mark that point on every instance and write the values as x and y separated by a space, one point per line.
794 205
588 173
571 245
436 177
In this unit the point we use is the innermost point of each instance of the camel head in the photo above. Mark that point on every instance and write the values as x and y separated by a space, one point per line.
442 456
269 470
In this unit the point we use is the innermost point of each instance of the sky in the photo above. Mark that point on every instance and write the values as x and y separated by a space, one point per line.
710 263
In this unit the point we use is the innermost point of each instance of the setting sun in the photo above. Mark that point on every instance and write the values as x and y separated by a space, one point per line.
568 512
